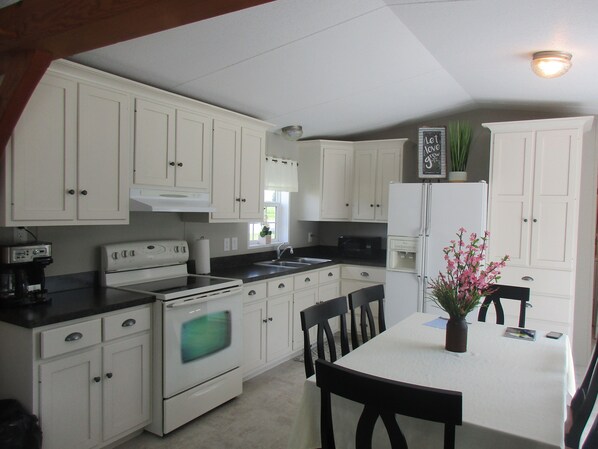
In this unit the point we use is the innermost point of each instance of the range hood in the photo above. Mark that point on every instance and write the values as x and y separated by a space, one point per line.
146 200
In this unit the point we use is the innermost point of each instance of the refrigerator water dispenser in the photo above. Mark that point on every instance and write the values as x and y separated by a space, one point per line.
402 253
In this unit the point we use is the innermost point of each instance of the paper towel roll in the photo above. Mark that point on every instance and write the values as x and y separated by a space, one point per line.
201 255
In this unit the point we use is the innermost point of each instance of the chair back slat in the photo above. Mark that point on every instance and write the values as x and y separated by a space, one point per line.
384 398
582 391
361 300
501 291
318 315
582 414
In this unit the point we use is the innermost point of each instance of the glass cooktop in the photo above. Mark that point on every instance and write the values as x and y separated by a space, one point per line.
182 286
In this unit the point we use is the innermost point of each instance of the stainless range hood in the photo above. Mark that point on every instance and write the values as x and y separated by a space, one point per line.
146 200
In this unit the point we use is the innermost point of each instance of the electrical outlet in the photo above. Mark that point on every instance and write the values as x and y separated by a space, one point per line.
227 244
20 235
235 243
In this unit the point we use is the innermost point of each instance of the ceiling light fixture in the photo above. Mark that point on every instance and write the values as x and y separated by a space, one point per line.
550 64
292 132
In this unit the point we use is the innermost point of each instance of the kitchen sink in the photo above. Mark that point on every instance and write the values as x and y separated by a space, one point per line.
297 262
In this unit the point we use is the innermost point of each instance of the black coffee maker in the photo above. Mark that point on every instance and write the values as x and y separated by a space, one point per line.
22 276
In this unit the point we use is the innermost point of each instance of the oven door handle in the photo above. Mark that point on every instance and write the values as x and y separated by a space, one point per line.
202 298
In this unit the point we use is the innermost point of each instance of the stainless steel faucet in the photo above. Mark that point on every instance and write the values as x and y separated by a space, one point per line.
280 252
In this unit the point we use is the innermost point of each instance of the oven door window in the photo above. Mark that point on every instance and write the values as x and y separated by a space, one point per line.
200 341
205 335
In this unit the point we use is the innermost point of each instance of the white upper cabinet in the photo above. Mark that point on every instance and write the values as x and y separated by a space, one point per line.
67 161
348 181
173 146
325 180
377 164
238 166
534 183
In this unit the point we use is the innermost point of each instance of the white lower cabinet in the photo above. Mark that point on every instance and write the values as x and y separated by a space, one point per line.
90 378
271 315
356 277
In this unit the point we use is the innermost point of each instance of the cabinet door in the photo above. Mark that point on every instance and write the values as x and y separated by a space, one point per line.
302 300
193 150
280 326
510 202
154 143
254 336
70 401
103 154
337 168
253 154
364 185
43 153
126 385
388 170
553 215
226 164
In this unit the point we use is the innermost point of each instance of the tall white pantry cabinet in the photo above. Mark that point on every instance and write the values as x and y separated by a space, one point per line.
542 213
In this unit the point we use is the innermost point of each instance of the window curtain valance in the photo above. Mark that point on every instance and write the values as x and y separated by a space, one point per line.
281 174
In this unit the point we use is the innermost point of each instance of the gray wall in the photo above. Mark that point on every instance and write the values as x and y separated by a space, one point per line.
76 248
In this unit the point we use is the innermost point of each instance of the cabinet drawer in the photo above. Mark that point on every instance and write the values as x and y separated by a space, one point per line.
363 273
305 280
552 282
330 274
253 292
126 323
70 338
279 286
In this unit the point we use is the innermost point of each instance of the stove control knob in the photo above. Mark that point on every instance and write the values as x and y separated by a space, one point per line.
132 253
115 255
123 253
176 249
183 249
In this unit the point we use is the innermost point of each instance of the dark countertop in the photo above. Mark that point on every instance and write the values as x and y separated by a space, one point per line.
75 296
72 304
242 267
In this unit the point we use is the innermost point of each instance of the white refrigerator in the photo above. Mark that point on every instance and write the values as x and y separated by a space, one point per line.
422 220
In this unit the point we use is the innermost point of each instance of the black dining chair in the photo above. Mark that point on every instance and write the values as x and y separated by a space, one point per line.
582 411
384 398
501 291
360 300
582 391
318 315
592 438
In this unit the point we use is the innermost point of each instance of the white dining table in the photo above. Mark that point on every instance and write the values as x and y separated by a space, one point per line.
514 391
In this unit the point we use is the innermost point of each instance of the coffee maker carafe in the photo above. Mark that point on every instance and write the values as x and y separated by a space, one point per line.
22 276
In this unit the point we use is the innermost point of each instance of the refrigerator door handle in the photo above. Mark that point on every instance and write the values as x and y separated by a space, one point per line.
428 208
422 211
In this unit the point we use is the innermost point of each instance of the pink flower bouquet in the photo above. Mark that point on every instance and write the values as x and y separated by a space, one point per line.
467 278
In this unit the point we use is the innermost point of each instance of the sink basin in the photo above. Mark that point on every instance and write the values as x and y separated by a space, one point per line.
298 262
311 260
283 263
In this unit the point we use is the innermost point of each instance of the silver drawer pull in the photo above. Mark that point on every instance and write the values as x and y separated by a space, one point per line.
128 323
365 274
307 280
74 336
281 285
252 293
529 305
527 278
330 274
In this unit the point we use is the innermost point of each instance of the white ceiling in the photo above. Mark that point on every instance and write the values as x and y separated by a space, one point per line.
342 67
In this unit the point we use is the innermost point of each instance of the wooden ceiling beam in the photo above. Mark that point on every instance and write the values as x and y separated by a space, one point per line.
67 27
35 32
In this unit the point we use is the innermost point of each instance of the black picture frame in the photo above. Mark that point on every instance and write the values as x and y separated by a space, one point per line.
431 158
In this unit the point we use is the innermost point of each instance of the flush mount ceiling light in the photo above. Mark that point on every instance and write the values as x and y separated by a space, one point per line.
550 64
292 132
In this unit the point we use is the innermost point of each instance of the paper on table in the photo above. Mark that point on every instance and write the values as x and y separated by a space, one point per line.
438 323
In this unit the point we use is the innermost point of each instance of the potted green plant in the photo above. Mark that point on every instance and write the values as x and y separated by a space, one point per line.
266 234
459 144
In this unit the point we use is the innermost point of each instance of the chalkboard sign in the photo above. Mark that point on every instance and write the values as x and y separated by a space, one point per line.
432 152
